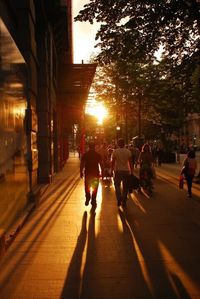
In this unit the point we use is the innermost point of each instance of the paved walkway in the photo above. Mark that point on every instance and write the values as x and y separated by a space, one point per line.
66 250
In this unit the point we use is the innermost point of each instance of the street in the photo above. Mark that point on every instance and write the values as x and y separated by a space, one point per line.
149 249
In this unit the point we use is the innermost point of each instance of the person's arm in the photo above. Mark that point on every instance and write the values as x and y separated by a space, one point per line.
101 166
131 164
185 162
137 157
113 160
140 158
82 165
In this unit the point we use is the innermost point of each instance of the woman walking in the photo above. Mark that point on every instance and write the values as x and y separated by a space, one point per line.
189 168
146 161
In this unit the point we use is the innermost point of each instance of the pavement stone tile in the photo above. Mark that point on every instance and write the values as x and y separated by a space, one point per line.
65 250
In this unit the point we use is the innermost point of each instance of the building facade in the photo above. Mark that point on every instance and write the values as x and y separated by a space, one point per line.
42 96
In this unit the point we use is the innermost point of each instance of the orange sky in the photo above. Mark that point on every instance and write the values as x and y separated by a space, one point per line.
83 35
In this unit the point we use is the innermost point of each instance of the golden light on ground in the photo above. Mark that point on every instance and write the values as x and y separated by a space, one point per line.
137 203
173 268
98 110
141 260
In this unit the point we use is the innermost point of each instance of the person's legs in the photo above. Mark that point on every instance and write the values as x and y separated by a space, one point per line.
87 190
95 185
142 177
189 184
125 187
117 183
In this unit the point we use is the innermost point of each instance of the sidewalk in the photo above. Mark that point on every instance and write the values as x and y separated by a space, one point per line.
168 172
64 177
66 250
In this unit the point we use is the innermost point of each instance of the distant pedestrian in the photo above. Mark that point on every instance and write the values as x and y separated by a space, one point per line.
103 151
107 171
90 165
135 155
159 154
189 169
146 159
122 167
146 167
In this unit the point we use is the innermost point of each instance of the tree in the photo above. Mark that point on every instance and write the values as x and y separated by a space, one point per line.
121 90
137 28
131 32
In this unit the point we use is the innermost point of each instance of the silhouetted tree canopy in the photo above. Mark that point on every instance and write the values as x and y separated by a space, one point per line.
131 33
137 28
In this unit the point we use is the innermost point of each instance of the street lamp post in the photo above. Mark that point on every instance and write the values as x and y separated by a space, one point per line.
118 128
139 115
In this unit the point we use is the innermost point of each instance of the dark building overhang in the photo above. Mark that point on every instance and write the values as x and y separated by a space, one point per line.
73 88
75 81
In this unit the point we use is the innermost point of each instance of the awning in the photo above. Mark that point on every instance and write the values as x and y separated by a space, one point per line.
75 81
73 88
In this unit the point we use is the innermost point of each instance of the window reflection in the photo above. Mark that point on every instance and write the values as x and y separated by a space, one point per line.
13 149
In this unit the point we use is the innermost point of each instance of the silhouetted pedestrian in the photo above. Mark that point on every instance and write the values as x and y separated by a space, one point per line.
189 168
159 154
146 162
89 167
122 166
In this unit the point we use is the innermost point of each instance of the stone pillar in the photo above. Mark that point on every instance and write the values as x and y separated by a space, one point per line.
44 109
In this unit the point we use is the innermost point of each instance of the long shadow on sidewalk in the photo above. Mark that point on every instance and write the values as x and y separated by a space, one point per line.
149 234
39 227
73 281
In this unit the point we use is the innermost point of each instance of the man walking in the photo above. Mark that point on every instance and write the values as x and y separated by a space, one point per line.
122 166
90 163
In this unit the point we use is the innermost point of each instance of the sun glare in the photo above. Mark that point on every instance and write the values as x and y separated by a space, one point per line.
98 110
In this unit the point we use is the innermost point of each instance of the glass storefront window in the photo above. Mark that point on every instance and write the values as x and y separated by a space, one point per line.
13 147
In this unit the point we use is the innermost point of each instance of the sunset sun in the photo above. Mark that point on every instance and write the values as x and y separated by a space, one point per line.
98 110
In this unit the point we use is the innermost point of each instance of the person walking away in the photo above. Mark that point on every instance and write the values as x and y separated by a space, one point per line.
107 173
189 166
103 151
135 155
91 163
159 154
122 167
145 161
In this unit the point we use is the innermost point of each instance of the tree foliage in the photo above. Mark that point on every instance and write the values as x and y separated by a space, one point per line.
137 28
165 96
131 32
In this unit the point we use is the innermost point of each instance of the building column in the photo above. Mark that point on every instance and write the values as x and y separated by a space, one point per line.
44 110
